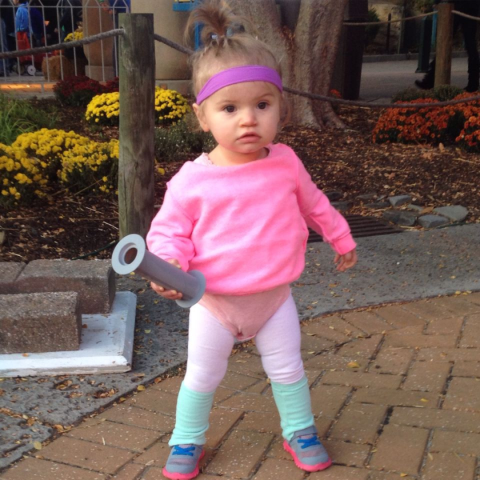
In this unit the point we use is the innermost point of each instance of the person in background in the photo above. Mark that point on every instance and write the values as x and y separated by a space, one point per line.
71 17
29 20
37 24
4 63
469 31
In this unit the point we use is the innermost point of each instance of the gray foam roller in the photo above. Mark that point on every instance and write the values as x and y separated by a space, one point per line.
131 255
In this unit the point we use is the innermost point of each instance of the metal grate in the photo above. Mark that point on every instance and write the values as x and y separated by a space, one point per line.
362 227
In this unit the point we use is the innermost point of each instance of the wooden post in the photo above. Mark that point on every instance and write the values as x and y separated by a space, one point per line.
137 98
443 62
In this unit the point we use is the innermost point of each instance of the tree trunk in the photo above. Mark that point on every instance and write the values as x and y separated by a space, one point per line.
307 50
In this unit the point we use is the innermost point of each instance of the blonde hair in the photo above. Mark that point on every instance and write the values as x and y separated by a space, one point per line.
227 42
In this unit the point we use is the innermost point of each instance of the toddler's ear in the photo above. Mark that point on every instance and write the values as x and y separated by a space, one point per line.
200 117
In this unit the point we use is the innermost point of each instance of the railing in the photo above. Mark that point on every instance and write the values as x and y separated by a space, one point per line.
47 25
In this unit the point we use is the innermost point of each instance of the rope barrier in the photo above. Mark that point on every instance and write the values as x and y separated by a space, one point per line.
334 100
364 24
355 103
188 51
461 14
386 22
63 46
173 45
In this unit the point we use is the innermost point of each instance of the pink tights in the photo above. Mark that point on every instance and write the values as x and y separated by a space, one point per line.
210 345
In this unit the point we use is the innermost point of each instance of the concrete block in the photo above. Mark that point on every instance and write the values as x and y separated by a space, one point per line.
39 322
106 347
9 272
93 280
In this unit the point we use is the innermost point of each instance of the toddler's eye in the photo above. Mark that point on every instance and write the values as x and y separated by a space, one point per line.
229 108
262 105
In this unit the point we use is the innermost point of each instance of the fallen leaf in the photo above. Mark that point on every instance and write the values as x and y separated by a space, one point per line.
353 365
37 445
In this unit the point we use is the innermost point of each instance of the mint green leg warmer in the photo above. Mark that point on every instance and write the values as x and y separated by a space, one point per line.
294 406
193 410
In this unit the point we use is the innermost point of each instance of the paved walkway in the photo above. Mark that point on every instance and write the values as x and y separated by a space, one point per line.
395 391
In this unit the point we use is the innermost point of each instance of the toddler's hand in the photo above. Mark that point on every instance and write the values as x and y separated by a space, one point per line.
169 294
346 261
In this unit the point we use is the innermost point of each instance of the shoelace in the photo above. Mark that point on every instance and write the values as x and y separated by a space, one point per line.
178 450
308 442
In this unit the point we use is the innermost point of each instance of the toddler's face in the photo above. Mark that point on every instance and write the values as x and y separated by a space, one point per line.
243 118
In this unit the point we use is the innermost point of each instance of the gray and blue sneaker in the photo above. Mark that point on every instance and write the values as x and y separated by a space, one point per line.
307 451
183 462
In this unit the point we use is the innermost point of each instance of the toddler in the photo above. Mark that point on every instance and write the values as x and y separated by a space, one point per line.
239 214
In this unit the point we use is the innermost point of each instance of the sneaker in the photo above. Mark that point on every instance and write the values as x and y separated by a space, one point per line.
183 462
307 451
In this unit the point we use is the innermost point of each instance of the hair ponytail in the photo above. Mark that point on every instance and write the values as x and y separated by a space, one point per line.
227 42
218 23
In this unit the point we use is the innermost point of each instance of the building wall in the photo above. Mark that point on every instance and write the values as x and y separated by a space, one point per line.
170 64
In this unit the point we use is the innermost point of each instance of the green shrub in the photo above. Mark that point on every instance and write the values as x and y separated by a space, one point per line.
19 116
444 93
180 142
441 93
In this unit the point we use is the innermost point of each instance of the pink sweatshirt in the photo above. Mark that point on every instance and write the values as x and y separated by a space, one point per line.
245 227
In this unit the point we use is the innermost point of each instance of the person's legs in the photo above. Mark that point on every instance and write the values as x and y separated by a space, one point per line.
209 347
279 343
428 81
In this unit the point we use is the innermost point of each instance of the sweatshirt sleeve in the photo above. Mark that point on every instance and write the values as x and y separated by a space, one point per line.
170 233
321 216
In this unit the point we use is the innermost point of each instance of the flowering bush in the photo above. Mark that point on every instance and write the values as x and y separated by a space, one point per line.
21 177
170 107
73 36
104 109
448 124
469 136
44 158
112 85
77 91
48 146
91 164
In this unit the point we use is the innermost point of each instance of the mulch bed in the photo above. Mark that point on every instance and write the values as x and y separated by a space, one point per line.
69 226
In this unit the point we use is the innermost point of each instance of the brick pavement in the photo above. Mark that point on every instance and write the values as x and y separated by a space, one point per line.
395 391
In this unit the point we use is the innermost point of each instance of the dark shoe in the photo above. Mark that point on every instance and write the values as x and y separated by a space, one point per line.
471 88
307 451
424 84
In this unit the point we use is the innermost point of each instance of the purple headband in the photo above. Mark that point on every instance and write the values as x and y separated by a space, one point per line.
245 73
